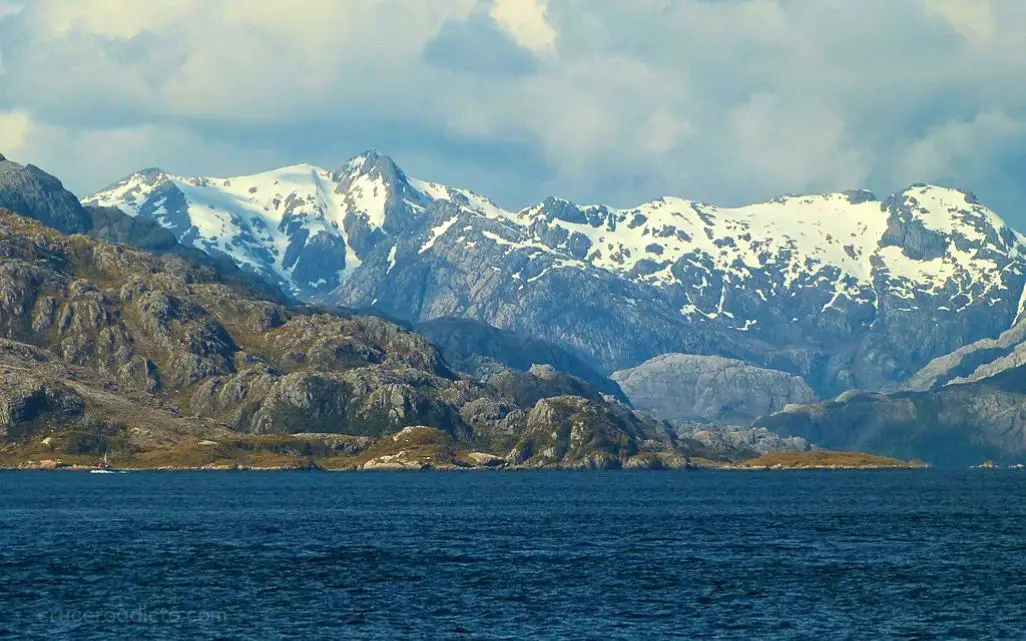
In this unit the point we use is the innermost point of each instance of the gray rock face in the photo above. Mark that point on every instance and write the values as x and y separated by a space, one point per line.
32 192
681 387
739 442
29 399
974 362
541 381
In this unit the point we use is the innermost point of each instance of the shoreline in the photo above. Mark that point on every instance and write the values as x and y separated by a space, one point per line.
417 457
241 468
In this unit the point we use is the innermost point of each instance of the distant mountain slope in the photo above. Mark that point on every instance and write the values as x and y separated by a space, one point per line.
974 362
29 191
956 425
841 289
303 227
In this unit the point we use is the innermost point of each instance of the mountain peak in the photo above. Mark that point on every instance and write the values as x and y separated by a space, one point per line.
371 163
951 194
151 173
379 188
858 196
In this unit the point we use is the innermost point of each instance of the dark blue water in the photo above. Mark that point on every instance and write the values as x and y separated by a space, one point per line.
794 555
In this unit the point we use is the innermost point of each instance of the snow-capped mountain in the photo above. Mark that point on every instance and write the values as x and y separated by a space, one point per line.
301 226
842 288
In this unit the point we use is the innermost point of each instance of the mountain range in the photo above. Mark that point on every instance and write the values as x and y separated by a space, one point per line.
722 315
843 290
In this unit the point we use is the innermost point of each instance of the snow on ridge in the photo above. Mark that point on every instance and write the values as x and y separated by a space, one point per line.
835 238
829 229
833 229
948 210
432 190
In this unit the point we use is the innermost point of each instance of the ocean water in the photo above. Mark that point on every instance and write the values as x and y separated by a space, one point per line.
560 555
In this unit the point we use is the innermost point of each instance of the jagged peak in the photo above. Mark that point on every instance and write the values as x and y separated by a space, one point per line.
151 172
149 177
371 163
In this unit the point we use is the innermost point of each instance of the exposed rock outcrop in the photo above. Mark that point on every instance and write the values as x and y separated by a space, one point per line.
974 362
732 442
540 381
414 448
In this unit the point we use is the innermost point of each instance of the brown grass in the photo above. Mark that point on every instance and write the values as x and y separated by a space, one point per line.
827 458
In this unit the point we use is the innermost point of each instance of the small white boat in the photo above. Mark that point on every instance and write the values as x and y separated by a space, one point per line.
105 467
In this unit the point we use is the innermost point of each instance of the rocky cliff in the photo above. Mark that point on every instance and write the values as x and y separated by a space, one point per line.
754 441
35 193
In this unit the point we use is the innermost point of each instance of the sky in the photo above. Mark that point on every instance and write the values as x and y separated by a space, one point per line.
725 101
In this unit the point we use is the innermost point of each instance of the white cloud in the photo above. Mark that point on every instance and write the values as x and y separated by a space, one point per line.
90 158
8 8
972 19
959 147
789 147
14 129
527 22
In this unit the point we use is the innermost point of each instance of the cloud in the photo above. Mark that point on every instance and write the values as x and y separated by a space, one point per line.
973 19
96 157
14 129
790 147
475 45
8 8
726 101
527 22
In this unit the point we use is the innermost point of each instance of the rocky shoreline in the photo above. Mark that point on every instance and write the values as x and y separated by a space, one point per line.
405 460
